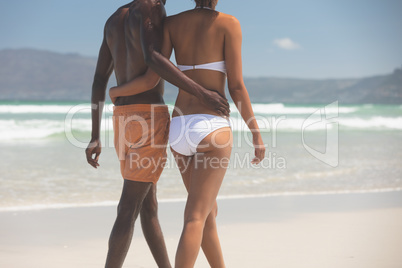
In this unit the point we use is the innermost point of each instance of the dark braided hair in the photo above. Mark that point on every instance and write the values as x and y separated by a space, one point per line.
206 3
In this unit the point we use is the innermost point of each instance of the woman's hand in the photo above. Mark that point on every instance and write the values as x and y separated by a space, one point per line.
113 96
138 85
259 149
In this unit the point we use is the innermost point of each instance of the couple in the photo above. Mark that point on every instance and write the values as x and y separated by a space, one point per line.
138 40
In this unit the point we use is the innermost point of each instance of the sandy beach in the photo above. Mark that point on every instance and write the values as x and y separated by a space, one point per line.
333 230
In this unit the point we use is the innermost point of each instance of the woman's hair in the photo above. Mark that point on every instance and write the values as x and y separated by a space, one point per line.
206 3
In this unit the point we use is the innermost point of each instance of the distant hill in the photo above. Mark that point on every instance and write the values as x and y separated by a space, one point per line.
381 89
27 74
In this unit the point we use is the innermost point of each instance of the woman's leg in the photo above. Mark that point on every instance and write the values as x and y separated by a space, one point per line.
210 240
208 169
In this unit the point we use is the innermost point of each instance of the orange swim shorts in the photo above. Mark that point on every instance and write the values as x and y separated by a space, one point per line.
141 133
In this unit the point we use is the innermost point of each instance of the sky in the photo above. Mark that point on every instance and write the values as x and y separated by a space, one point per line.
281 38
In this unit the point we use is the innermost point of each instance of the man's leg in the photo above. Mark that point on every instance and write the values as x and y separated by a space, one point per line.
131 200
152 229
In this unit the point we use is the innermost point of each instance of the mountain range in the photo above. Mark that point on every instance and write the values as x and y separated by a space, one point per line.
28 74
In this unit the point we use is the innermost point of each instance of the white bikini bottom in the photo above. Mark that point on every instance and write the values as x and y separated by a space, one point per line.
187 131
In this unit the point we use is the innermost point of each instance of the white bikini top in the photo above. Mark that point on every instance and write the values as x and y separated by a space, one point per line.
219 66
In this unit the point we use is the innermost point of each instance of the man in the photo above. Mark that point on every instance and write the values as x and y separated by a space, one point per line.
132 41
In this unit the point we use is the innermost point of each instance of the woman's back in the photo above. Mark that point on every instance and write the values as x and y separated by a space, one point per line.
198 135
198 37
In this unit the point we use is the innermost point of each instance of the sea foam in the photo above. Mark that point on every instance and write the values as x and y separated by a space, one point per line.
29 121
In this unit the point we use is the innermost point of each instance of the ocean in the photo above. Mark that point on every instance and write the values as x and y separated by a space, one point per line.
311 149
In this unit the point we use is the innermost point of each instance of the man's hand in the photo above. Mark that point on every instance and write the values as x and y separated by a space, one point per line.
214 100
94 148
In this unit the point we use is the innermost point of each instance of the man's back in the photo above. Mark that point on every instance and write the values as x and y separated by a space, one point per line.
122 34
132 40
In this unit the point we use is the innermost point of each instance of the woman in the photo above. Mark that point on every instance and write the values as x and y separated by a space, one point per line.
207 47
